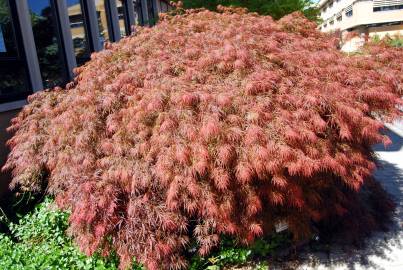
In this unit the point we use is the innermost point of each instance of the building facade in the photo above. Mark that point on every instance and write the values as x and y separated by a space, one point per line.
369 17
42 41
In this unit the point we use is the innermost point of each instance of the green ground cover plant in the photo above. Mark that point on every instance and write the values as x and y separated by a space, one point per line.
38 240
230 252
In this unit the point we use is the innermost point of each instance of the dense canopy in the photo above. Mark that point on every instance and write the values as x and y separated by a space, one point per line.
209 123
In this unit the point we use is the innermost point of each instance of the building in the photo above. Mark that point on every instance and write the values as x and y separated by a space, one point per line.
42 41
368 17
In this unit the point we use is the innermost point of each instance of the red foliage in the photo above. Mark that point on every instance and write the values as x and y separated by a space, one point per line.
207 124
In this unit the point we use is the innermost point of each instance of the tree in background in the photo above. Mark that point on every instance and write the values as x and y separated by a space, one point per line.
274 8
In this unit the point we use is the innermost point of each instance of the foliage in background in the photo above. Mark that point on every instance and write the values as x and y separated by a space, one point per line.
394 40
275 8
208 124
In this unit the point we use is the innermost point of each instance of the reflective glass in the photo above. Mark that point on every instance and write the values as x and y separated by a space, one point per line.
152 19
122 20
13 77
102 21
13 81
47 43
2 42
7 42
138 17
78 31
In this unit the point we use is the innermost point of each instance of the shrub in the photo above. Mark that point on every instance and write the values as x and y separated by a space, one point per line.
208 124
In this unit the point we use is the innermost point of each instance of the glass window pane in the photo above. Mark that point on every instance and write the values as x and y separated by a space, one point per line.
152 19
7 42
78 31
2 43
164 7
47 43
13 81
138 17
13 76
122 18
102 21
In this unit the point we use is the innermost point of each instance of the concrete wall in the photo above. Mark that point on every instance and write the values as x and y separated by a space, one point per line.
5 118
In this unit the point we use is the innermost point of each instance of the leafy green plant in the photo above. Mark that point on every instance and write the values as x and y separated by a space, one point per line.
39 241
230 253
393 41
397 42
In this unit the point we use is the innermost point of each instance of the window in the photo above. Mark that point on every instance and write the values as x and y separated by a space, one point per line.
47 42
349 11
151 15
386 8
164 7
339 18
14 83
331 22
123 20
7 43
138 13
102 21
78 31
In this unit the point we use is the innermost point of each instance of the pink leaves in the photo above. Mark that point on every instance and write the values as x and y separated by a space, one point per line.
224 100
254 135
210 129
167 125
183 155
226 154
112 123
261 82
190 99
221 179
244 173
256 229
279 181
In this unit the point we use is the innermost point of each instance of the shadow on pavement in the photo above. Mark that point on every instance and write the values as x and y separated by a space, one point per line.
397 143
383 250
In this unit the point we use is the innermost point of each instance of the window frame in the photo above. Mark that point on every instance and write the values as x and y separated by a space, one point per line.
12 101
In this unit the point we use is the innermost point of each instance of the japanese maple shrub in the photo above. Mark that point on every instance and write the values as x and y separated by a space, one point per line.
209 124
